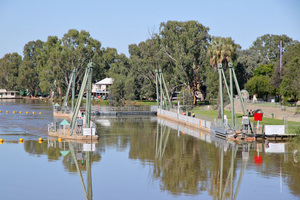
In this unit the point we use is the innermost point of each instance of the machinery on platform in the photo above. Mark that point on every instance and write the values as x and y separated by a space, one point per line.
80 127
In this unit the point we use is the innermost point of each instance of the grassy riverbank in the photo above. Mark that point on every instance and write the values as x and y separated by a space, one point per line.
265 121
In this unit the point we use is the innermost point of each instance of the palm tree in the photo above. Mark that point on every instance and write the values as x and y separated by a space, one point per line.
221 50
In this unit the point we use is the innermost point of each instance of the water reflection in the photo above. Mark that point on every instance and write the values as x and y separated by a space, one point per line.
77 157
185 164
181 163
161 141
88 192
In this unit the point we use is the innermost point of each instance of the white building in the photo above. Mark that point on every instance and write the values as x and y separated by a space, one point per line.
4 94
101 88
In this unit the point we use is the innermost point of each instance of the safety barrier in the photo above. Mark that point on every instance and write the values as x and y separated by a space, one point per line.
18 112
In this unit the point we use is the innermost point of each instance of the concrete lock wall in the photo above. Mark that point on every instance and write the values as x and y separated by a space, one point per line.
198 134
195 122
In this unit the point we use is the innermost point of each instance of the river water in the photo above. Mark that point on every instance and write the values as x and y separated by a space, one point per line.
137 157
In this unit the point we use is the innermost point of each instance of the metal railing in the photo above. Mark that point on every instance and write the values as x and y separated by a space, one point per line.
124 108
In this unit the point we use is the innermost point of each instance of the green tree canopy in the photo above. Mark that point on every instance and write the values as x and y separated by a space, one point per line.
9 68
186 43
28 74
78 48
290 85
60 56
222 50
269 46
264 70
260 83
48 72
247 62
120 71
144 59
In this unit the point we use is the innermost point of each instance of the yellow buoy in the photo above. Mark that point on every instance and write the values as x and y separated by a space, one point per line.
0 111
14 112
6 111
59 139
27 112
21 140
33 112
1 140
40 113
40 139
20 112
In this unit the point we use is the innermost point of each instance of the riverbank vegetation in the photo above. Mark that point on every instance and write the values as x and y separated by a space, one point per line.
185 51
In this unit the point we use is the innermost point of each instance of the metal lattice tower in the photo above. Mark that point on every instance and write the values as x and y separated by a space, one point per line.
162 93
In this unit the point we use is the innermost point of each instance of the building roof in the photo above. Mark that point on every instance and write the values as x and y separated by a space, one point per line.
106 81
4 90
64 122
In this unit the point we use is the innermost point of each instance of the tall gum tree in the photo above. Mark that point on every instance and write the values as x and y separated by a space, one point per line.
9 68
61 56
185 44
268 45
144 59
78 48
47 65
290 84
28 72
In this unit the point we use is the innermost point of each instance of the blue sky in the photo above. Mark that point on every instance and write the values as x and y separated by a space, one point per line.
119 23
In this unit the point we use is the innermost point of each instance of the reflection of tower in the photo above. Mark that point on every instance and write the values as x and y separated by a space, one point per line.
88 192
229 179
89 174
161 140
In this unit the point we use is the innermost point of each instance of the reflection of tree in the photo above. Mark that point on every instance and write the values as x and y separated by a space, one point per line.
187 165
53 150
220 173
283 165
34 147
121 131
87 191
184 164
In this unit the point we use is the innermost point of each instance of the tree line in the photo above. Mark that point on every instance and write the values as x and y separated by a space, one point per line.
185 51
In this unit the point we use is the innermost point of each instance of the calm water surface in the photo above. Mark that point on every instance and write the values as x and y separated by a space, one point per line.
136 158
